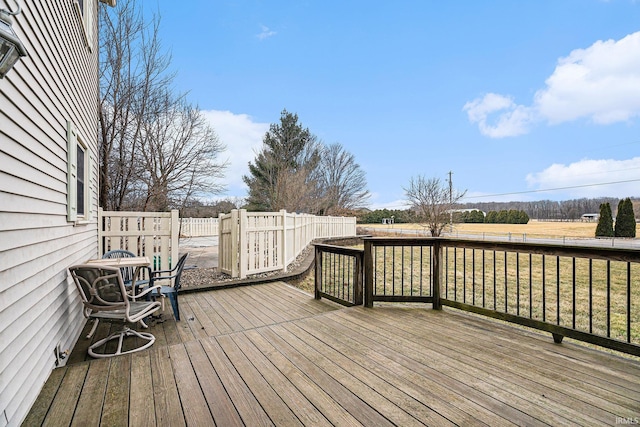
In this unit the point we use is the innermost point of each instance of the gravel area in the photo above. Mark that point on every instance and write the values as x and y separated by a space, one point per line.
212 277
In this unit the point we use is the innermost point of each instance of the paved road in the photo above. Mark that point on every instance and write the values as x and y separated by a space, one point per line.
203 251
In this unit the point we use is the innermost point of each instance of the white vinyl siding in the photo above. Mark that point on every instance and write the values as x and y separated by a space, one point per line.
39 307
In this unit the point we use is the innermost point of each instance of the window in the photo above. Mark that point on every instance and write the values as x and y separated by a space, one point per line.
79 184
86 13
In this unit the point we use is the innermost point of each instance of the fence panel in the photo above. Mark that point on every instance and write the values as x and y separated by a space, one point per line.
199 227
151 234
257 242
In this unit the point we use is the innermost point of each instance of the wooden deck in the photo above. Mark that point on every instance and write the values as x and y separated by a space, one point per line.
272 355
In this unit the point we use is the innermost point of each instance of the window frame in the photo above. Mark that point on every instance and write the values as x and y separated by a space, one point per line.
74 140
86 14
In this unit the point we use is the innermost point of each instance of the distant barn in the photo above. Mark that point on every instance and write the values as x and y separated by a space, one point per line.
590 217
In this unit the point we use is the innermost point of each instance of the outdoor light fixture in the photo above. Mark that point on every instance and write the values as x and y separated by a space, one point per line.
11 48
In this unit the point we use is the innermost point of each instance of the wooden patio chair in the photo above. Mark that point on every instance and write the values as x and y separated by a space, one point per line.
170 291
105 297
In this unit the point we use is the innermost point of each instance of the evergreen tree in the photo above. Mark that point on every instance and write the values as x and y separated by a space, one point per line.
605 223
284 174
625 219
475 217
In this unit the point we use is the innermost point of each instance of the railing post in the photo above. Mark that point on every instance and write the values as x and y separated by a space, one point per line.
358 293
318 272
368 273
437 269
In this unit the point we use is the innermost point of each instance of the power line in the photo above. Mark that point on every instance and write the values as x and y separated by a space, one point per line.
530 191
554 189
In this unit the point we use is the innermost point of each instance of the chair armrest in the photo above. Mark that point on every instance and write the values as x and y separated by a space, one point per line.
145 292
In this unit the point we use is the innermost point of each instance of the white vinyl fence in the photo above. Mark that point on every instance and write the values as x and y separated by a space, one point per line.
256 242
198 227
150 234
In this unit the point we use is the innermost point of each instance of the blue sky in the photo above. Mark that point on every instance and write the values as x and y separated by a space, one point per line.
512 96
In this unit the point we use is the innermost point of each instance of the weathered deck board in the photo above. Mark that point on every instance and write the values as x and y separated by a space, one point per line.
272 355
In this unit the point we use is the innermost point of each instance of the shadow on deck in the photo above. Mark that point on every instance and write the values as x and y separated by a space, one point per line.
272 355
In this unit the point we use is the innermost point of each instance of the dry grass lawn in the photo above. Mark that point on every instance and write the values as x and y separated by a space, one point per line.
532 229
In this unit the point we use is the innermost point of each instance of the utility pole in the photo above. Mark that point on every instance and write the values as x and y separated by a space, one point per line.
450 203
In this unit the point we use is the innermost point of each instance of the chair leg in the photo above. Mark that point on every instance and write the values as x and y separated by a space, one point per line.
173 297
120 336
93 328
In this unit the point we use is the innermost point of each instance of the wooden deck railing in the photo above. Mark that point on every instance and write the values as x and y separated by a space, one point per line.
339 274
589 294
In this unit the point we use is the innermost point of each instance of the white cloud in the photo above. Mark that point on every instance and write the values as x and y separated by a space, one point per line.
514 121
588 176
243 137
600 83
265 33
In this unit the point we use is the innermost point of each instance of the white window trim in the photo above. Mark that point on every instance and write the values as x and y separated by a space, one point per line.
86 15
73 140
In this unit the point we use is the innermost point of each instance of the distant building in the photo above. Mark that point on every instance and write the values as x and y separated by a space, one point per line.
590 217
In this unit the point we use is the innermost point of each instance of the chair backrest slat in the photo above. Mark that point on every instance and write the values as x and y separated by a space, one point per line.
127 272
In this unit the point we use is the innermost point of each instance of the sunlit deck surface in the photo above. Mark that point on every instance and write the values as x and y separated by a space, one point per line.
272 355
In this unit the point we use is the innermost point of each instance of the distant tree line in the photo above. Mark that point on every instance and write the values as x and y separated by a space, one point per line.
399 216
566 210
511 216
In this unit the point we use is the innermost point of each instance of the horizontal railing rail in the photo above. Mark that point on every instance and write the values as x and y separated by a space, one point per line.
339 273
586 293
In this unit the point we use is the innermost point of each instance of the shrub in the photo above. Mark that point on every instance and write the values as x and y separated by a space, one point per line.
605 223
625 219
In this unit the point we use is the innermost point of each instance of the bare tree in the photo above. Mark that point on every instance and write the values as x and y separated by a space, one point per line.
433 201
178 152
145 128
343 182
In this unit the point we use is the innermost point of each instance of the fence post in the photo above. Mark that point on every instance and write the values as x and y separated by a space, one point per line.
100 232
437 269
175 236
368 273
283 246
242 244
233 247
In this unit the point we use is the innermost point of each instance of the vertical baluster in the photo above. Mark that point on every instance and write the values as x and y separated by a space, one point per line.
608 298
544 293
517 283
495 292
506 286
590 295
573 304
628 302
557 290
530 286
464 275
473 276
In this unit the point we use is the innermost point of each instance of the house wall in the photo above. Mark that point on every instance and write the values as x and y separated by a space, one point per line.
39 307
